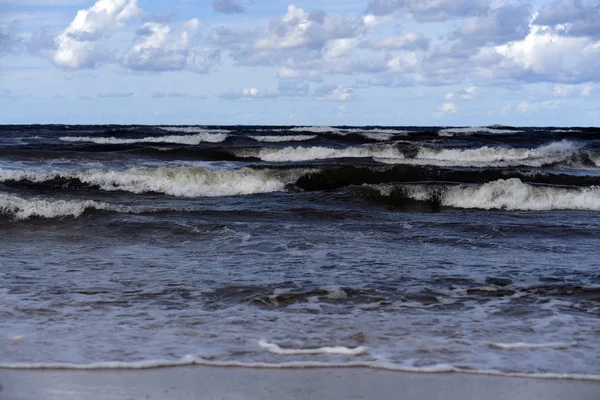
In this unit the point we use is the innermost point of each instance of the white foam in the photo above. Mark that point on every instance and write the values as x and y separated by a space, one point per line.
467 131
509 194
181 181
492 156
382 365
319 153
283 138
195 139
191 129
341 350
521 345
21 208
374 134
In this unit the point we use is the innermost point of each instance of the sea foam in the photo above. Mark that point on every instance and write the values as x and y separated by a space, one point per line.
21 208
504 194
195 139
179 181
319 153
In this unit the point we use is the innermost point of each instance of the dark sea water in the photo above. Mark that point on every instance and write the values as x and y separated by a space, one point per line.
418 249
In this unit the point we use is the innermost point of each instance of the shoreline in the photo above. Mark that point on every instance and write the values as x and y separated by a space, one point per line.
236 383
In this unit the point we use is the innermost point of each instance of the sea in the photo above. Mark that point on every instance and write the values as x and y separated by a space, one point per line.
423 249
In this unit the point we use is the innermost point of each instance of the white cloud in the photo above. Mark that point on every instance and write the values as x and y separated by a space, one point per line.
468 93
523 107
300 39
587 90
158 47
449 96
407 41
77 45
253 91
448 108
545 55
563 90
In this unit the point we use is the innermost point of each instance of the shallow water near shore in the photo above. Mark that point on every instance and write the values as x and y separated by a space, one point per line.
417 249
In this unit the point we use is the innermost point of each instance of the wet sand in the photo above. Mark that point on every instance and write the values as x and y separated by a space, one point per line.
183 383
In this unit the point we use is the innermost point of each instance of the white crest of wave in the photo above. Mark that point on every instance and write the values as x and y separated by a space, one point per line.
21 208
509 194
521 345
195 139
374 134
473 130
492 156
179 181
346 351
283 138
191 129
320 153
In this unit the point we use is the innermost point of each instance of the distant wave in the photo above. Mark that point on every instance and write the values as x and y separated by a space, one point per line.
495 156
319 153
502 194
474 130
181 181
197 138
21 208
282 138
394 154
374 134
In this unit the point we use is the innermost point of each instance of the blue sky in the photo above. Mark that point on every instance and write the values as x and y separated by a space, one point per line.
327 62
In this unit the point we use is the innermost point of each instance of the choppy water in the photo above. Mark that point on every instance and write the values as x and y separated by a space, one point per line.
432 249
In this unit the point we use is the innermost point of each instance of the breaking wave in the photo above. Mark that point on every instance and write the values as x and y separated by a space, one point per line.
509 194
195 139
181 181
319 153
493 156
283 138
472 130
374 134
20 208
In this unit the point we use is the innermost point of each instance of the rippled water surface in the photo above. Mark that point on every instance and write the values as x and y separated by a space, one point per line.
470 249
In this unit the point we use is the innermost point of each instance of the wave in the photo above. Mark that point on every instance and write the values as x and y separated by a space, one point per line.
283 138
509 194
377 365
195 139
472 130
180 181
191 129
319 153
369 133
487 156
20 208
346 351
521 345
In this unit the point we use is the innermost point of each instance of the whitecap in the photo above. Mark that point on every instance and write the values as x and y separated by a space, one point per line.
341 350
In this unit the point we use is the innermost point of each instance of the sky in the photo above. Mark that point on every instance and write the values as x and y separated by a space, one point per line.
302 62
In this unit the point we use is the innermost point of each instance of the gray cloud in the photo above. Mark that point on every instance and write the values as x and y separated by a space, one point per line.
300 37
497 26
583 19
429 10
227 6
10 42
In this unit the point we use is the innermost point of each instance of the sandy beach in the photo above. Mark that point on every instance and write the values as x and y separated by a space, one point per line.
182 383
